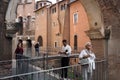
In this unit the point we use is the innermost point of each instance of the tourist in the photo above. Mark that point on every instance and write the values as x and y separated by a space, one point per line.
19 51
37 49
89 65
66 51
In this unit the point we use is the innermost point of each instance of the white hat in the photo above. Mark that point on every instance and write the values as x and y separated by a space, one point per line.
88 43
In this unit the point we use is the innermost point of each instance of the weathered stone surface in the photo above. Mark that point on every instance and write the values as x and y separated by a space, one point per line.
109 11
111 17
5 44
7 15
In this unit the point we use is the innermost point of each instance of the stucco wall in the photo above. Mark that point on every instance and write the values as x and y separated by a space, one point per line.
41 25
80 27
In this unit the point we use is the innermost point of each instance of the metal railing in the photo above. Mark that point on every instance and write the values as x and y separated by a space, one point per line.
48 68
49 51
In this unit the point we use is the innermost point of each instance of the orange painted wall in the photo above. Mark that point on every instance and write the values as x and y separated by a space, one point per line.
80 27
55 29
41 25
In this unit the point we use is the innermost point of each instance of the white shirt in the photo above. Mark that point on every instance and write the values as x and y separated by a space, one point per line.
91 58
82 54
67 49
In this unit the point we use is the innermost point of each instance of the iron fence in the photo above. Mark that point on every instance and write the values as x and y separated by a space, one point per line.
48 68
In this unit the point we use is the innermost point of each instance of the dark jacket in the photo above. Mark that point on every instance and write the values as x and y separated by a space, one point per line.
19 50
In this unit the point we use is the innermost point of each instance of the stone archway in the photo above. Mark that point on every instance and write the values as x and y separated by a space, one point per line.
96 25
95 18
102 13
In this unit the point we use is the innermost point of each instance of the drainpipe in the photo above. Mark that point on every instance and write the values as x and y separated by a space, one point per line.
107 37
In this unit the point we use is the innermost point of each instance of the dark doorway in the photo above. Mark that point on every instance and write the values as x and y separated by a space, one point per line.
29 47
75 42
29 43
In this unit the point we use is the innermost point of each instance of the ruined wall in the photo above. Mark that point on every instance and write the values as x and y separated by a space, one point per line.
7 17
5 43
111 16
108 14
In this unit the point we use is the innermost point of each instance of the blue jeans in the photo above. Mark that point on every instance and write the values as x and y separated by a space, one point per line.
37 51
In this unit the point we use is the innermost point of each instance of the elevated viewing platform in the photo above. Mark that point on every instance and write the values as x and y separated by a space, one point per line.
47 67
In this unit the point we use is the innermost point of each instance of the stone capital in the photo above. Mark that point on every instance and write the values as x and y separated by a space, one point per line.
94 34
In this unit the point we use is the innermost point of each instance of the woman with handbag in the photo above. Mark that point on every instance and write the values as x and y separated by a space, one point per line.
87 61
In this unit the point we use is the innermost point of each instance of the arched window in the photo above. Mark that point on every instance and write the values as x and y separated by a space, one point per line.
40 40
75 42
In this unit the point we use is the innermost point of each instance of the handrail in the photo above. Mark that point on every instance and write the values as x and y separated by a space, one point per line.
41 58
45 56
36 72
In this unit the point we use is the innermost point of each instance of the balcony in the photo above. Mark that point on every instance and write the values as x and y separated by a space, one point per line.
12 28
47 67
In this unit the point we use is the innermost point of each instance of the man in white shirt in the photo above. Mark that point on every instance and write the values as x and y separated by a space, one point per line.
87 69
66 50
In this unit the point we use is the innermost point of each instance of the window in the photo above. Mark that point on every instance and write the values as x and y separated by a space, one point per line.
54 10
56 44
44 4
75 18
36 6
63 7
42 12
40 4
75 42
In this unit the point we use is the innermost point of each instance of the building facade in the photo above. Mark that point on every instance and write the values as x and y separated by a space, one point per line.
50 20
62 20
57 18
78 25
41 23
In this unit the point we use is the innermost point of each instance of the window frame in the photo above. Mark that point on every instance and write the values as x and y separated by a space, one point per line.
75 42
75 21
55 44
63 7
53 10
